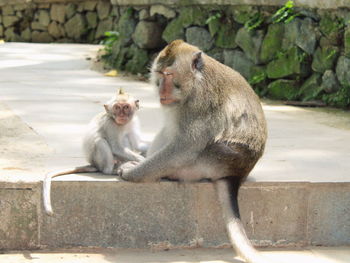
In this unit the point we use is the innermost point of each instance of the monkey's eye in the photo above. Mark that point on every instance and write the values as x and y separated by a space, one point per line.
177 86
126 108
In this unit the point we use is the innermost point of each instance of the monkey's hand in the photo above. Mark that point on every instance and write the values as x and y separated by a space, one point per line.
125 169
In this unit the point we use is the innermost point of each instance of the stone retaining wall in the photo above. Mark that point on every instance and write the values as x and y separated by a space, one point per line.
307 58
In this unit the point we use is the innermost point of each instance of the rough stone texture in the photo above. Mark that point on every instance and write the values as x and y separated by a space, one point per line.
148 35
38 26
103 9
58 12
1 30
10 20
342 70
144 15
199 37
91 19
330 27
287 64
44 18
26 34
291 33
70 10
242 13
272 42
285 218
250 42
104 26
187 17
138 62
324 58
283 89
56 30
347 41
41 37
312 87
10 34
329 214
330 82
306 37
217 53
162 10
8 10
18 218
89 5
238 60
226 35
75 27
126 225
126 27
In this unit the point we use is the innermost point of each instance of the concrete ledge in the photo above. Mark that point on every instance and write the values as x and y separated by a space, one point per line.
103 212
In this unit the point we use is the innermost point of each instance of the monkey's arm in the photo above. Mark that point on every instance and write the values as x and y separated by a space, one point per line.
125 154
181 151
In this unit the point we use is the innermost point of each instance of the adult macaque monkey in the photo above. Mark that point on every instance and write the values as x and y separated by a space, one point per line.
214 129
112 138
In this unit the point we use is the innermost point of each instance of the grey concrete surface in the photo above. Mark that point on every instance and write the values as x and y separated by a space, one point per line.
310 255
53 91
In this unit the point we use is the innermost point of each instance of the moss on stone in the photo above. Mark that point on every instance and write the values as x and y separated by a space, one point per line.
324 58
288 63
283 89
311 88
272 42
347 41
226 36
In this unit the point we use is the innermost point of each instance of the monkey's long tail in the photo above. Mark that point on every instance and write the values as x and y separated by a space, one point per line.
227 190
49 176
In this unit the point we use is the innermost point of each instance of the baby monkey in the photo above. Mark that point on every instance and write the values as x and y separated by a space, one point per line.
112 138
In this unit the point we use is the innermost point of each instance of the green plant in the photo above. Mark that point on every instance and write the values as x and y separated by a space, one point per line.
331 54
111 37
254 22
213 17
285 14
341 98
258 78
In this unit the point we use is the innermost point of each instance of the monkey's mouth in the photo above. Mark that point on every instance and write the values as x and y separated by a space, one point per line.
167 101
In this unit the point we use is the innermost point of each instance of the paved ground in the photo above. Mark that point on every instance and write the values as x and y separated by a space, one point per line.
312 255
48 94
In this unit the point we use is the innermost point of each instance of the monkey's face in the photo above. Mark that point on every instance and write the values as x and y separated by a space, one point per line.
175 71
122 111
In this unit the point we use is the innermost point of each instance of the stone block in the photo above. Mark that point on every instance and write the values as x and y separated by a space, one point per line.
283 89
1 31
76 26
306 37
37 26
89 5
162 10
26 34
347 41
56 30
275 214
238 61
19 217
330 82
145 215
58 13
342 70
9 20
8 10
148 35
41 37
226 35
324 58
104 26
250 42
91 19
329 216
103 9
70 10
311 88
272 43
44 18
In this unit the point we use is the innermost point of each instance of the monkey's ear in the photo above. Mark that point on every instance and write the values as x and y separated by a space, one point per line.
137 104
106 107
197 61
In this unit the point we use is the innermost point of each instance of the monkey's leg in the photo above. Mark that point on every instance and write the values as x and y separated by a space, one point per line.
103 158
